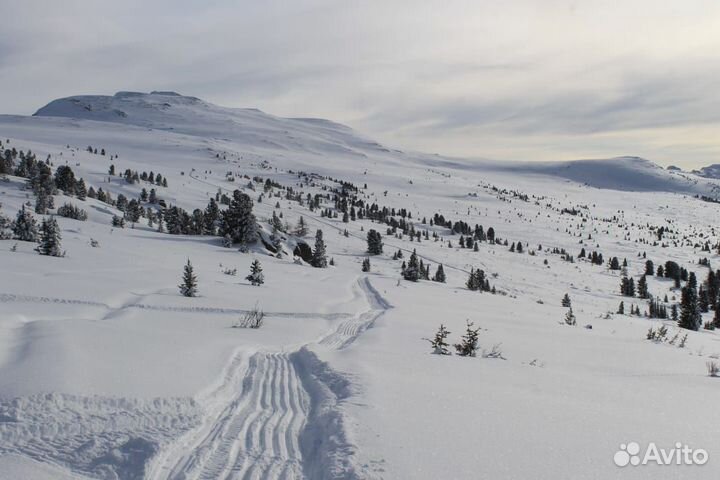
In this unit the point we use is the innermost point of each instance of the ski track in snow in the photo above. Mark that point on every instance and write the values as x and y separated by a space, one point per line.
257 434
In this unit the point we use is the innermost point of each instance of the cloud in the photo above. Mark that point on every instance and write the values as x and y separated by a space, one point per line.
521 79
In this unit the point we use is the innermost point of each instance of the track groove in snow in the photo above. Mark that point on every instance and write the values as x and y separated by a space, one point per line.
8 298
256 435
282 400
351 329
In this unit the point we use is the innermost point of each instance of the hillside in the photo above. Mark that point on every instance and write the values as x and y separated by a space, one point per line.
257 131
108 372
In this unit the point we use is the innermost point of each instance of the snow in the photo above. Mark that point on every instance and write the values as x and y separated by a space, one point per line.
107 372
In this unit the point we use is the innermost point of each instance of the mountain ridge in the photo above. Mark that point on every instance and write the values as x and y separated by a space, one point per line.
253 128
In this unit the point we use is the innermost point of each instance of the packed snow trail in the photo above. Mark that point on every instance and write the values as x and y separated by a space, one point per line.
350 329
282 400
115 311
256 436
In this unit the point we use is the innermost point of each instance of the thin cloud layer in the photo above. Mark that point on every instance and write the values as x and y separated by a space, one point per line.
523 80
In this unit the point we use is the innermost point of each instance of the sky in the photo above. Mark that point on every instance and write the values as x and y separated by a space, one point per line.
506 79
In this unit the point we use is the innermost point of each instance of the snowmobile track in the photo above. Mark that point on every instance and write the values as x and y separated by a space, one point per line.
257 435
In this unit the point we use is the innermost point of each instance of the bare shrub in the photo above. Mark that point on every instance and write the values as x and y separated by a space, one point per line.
251 319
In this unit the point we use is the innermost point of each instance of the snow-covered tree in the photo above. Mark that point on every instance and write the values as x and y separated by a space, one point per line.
439 343
301 229
256 276
50 238
570 318
25 227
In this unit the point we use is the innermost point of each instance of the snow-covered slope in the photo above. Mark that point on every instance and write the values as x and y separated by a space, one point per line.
711 171
107 372
254 129
192 116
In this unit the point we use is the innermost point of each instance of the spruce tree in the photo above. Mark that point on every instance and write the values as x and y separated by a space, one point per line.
238 220
439 274
566 301
412 271
366 264
468 345
570 318
471 283
642 288
81 190
188 287
256 276
301 229
25 227
689 312
118 222
649 268
374 242
50 238
319 259
716 317
439 343
621 308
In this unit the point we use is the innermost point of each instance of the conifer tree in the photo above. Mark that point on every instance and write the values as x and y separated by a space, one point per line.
25 227
621 308
439 343
570 318
238 220
366 264
642 288
81 190
439 274
374 242
256 276
716 317
42 202
471 283
468 345
50 238
649 268
188 287
118 222
689 312
412 271
301 229
65 180
319 259
566 301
